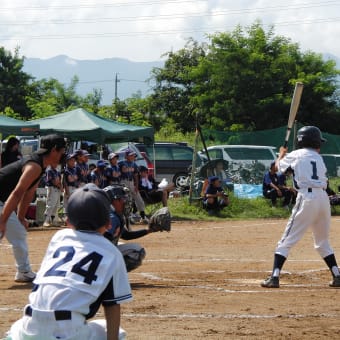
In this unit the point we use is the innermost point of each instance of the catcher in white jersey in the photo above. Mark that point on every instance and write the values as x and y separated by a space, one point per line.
81 270
312 207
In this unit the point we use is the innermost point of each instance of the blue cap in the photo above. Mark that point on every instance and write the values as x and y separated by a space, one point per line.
70 156
101 164
129 152
81 152
88 208
213 179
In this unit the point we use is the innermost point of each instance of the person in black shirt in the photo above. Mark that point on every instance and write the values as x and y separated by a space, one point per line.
11 152
18 183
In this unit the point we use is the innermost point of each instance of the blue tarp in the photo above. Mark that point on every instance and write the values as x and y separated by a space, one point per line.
248 190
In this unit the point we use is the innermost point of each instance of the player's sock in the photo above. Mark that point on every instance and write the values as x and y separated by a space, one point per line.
332 265
279 260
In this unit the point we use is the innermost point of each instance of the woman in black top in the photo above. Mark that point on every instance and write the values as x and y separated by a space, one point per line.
11 152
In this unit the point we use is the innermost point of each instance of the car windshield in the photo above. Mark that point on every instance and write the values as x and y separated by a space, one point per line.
166 153
248 153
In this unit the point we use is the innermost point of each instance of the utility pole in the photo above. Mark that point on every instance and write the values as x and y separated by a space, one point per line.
116 86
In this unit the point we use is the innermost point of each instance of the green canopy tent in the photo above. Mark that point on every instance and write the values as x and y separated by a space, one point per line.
80 124
10 126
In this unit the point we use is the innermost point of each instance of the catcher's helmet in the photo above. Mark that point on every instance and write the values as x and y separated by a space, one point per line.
115 192
310 137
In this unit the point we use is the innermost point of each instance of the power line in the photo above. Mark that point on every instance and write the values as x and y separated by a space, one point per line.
172 16
104 5
111 80
165 32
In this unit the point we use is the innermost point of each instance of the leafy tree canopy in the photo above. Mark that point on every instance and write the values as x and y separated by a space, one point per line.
246 78
14 84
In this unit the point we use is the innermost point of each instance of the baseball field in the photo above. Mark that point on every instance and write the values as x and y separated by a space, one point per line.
202 281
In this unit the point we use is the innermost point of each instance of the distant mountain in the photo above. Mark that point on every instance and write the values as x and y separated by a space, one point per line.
100 74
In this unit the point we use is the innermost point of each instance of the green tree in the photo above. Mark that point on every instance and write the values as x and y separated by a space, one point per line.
48 97
245 78
13 84
91 102
174 86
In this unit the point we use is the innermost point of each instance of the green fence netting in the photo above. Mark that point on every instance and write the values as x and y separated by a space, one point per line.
272 137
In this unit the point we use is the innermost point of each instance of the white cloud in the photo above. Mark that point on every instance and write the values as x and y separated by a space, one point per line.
143 30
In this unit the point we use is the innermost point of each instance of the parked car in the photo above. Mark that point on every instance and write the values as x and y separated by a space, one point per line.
236 155
246 163
172 160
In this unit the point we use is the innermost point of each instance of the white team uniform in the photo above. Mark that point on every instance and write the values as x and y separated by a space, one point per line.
312 208
52 202
80 271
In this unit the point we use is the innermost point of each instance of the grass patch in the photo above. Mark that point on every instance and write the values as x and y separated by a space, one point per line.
239 208
180 208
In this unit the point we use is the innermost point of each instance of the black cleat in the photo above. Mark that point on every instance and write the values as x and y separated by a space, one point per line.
335 283
272 282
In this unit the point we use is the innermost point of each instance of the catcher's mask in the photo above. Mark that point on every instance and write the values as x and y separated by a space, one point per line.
115 192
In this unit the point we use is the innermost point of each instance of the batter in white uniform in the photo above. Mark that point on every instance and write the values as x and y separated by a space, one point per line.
312 208
80 271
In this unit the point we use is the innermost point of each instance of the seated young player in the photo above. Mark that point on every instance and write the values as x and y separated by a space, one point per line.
273 189
149 189
81 270
215 198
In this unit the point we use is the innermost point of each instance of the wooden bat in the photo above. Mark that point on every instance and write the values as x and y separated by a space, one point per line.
293 109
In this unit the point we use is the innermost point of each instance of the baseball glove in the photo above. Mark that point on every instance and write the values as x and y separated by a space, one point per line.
160 220
133 255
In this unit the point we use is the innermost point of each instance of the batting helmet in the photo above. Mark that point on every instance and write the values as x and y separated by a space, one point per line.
310 137
115 192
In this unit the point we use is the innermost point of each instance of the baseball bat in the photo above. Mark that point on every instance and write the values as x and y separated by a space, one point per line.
293 109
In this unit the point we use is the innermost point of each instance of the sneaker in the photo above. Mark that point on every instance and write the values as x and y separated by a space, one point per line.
25 276
144 220
271 282
335 283
47 223
122 334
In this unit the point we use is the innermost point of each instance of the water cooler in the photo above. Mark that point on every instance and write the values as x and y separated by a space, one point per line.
40 206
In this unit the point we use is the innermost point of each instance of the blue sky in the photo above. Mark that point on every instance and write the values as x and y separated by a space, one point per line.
143 30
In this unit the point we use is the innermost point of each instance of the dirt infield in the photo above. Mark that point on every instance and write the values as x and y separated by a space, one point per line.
202 281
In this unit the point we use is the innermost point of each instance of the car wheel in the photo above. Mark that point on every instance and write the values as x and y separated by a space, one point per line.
181 180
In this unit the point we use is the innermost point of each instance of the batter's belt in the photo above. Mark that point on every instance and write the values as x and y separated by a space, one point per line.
59 315
311 189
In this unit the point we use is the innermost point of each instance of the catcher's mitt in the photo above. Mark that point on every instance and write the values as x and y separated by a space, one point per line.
133 255
160 220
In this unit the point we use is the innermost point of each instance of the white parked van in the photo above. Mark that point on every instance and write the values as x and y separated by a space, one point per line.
242 154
